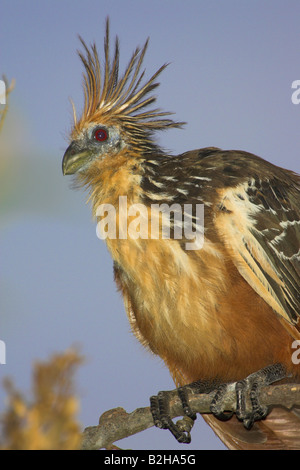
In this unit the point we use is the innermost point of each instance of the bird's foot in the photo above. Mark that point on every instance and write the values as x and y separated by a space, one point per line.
181 430
160 409
248 406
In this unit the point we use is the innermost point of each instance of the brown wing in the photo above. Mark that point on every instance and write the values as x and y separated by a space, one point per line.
261 229
280 431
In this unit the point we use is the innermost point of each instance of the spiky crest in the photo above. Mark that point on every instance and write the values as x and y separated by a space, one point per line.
121 101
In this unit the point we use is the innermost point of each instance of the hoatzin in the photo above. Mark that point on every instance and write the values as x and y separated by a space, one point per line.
226 311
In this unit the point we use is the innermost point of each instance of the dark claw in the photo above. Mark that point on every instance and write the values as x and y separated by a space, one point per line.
182 392
248 406
159 406
251 387
240 400
154 407
216 406
260 410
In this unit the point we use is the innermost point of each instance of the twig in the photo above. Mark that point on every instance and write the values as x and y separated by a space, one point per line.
117 424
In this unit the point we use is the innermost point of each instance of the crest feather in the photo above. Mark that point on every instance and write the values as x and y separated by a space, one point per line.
124 99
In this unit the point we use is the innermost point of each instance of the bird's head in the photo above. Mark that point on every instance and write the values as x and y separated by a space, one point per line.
114 119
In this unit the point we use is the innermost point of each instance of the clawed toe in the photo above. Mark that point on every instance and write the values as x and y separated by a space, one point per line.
217 406
181 430
248 406
249 409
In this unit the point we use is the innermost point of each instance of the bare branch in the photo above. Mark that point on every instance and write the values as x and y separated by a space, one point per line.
117 424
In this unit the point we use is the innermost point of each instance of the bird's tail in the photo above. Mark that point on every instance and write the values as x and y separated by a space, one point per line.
279 431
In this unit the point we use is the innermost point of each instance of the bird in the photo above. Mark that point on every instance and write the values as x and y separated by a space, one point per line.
214 292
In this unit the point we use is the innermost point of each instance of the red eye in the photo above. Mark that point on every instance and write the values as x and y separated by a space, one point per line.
100 134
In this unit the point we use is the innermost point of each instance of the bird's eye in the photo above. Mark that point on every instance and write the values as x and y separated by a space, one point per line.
100 134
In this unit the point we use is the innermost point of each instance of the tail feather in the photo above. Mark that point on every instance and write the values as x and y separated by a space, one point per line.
279 431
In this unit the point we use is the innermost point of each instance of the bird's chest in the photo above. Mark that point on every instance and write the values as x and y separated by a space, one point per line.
171 297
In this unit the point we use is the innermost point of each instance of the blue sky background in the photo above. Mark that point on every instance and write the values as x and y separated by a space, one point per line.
232 63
